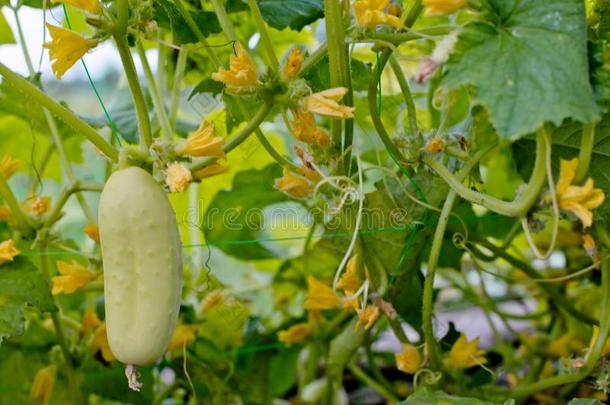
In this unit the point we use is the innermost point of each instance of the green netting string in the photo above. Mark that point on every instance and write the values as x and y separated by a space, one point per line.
115 131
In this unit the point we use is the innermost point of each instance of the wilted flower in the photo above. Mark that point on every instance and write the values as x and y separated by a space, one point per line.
304 128
409 360
293 185
8 251
73 276
241 76
296 333
435 145
66 47
367 317
178 177
326 103
370 13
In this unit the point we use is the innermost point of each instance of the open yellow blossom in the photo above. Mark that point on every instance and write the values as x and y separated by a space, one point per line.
42 385
367 317
100 342
8 251
579 200
409 360
370 13
441 7
8 166
38 205
293 185
350 281
178 177
326 103
5 213
320 296
93 232
435 145
92 6
202 142
293 63
66 48
241 76
90 321
304 128
464 354
588 243
72 277
210 170
296 333
183 335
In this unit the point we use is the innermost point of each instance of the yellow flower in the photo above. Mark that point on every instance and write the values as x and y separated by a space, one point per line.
606 348
5 213
370 13
409 360
8 166
394 9
93 232
178 177
296 333
73 276
320 296
350 281
93 6
588 243
326 103
440 7
212 300
309 173
100 342
66 47
367 317
210 170
38 205
293 63
435 145
464 354
241 76
304 128
292 185
42 386
579 200
202 142
90 321
183 335
7 251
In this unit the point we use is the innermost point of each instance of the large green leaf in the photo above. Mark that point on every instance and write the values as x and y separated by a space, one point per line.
234 217
291 13
21 284
527 64
168 16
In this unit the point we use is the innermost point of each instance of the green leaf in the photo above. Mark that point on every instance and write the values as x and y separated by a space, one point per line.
207 86
291 13
283 371
6 35
566 145
234 218
319 80
527 64
425 396
168 16
21 284
585 401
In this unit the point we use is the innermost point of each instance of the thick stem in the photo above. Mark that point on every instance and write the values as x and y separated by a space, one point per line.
76 187
60 111
335 38
155 94
261 27
516 208
407 94
586 150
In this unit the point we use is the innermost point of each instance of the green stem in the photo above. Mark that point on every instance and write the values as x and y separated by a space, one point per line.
594 353
261 27
155 94
60 111
23 221
313 58
413 14
516 208
76 187
177 82
586 150
362 376
195 29
120 38
223 19
406 91
26 54
335 38
401 37
234 142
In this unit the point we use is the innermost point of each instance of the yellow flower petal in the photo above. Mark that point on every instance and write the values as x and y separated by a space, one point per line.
293 63
183 335
5 213
66 48
100 342
73 276
93 6
210 170
293 185
367 317
350 281
370 13
441 7
93 232
589 245
42 385
8 251
464 354
203 142
409 360
296 333
8 166
309 173
435 145
241 76
304 128
178 177
320 296
90 321
326 103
